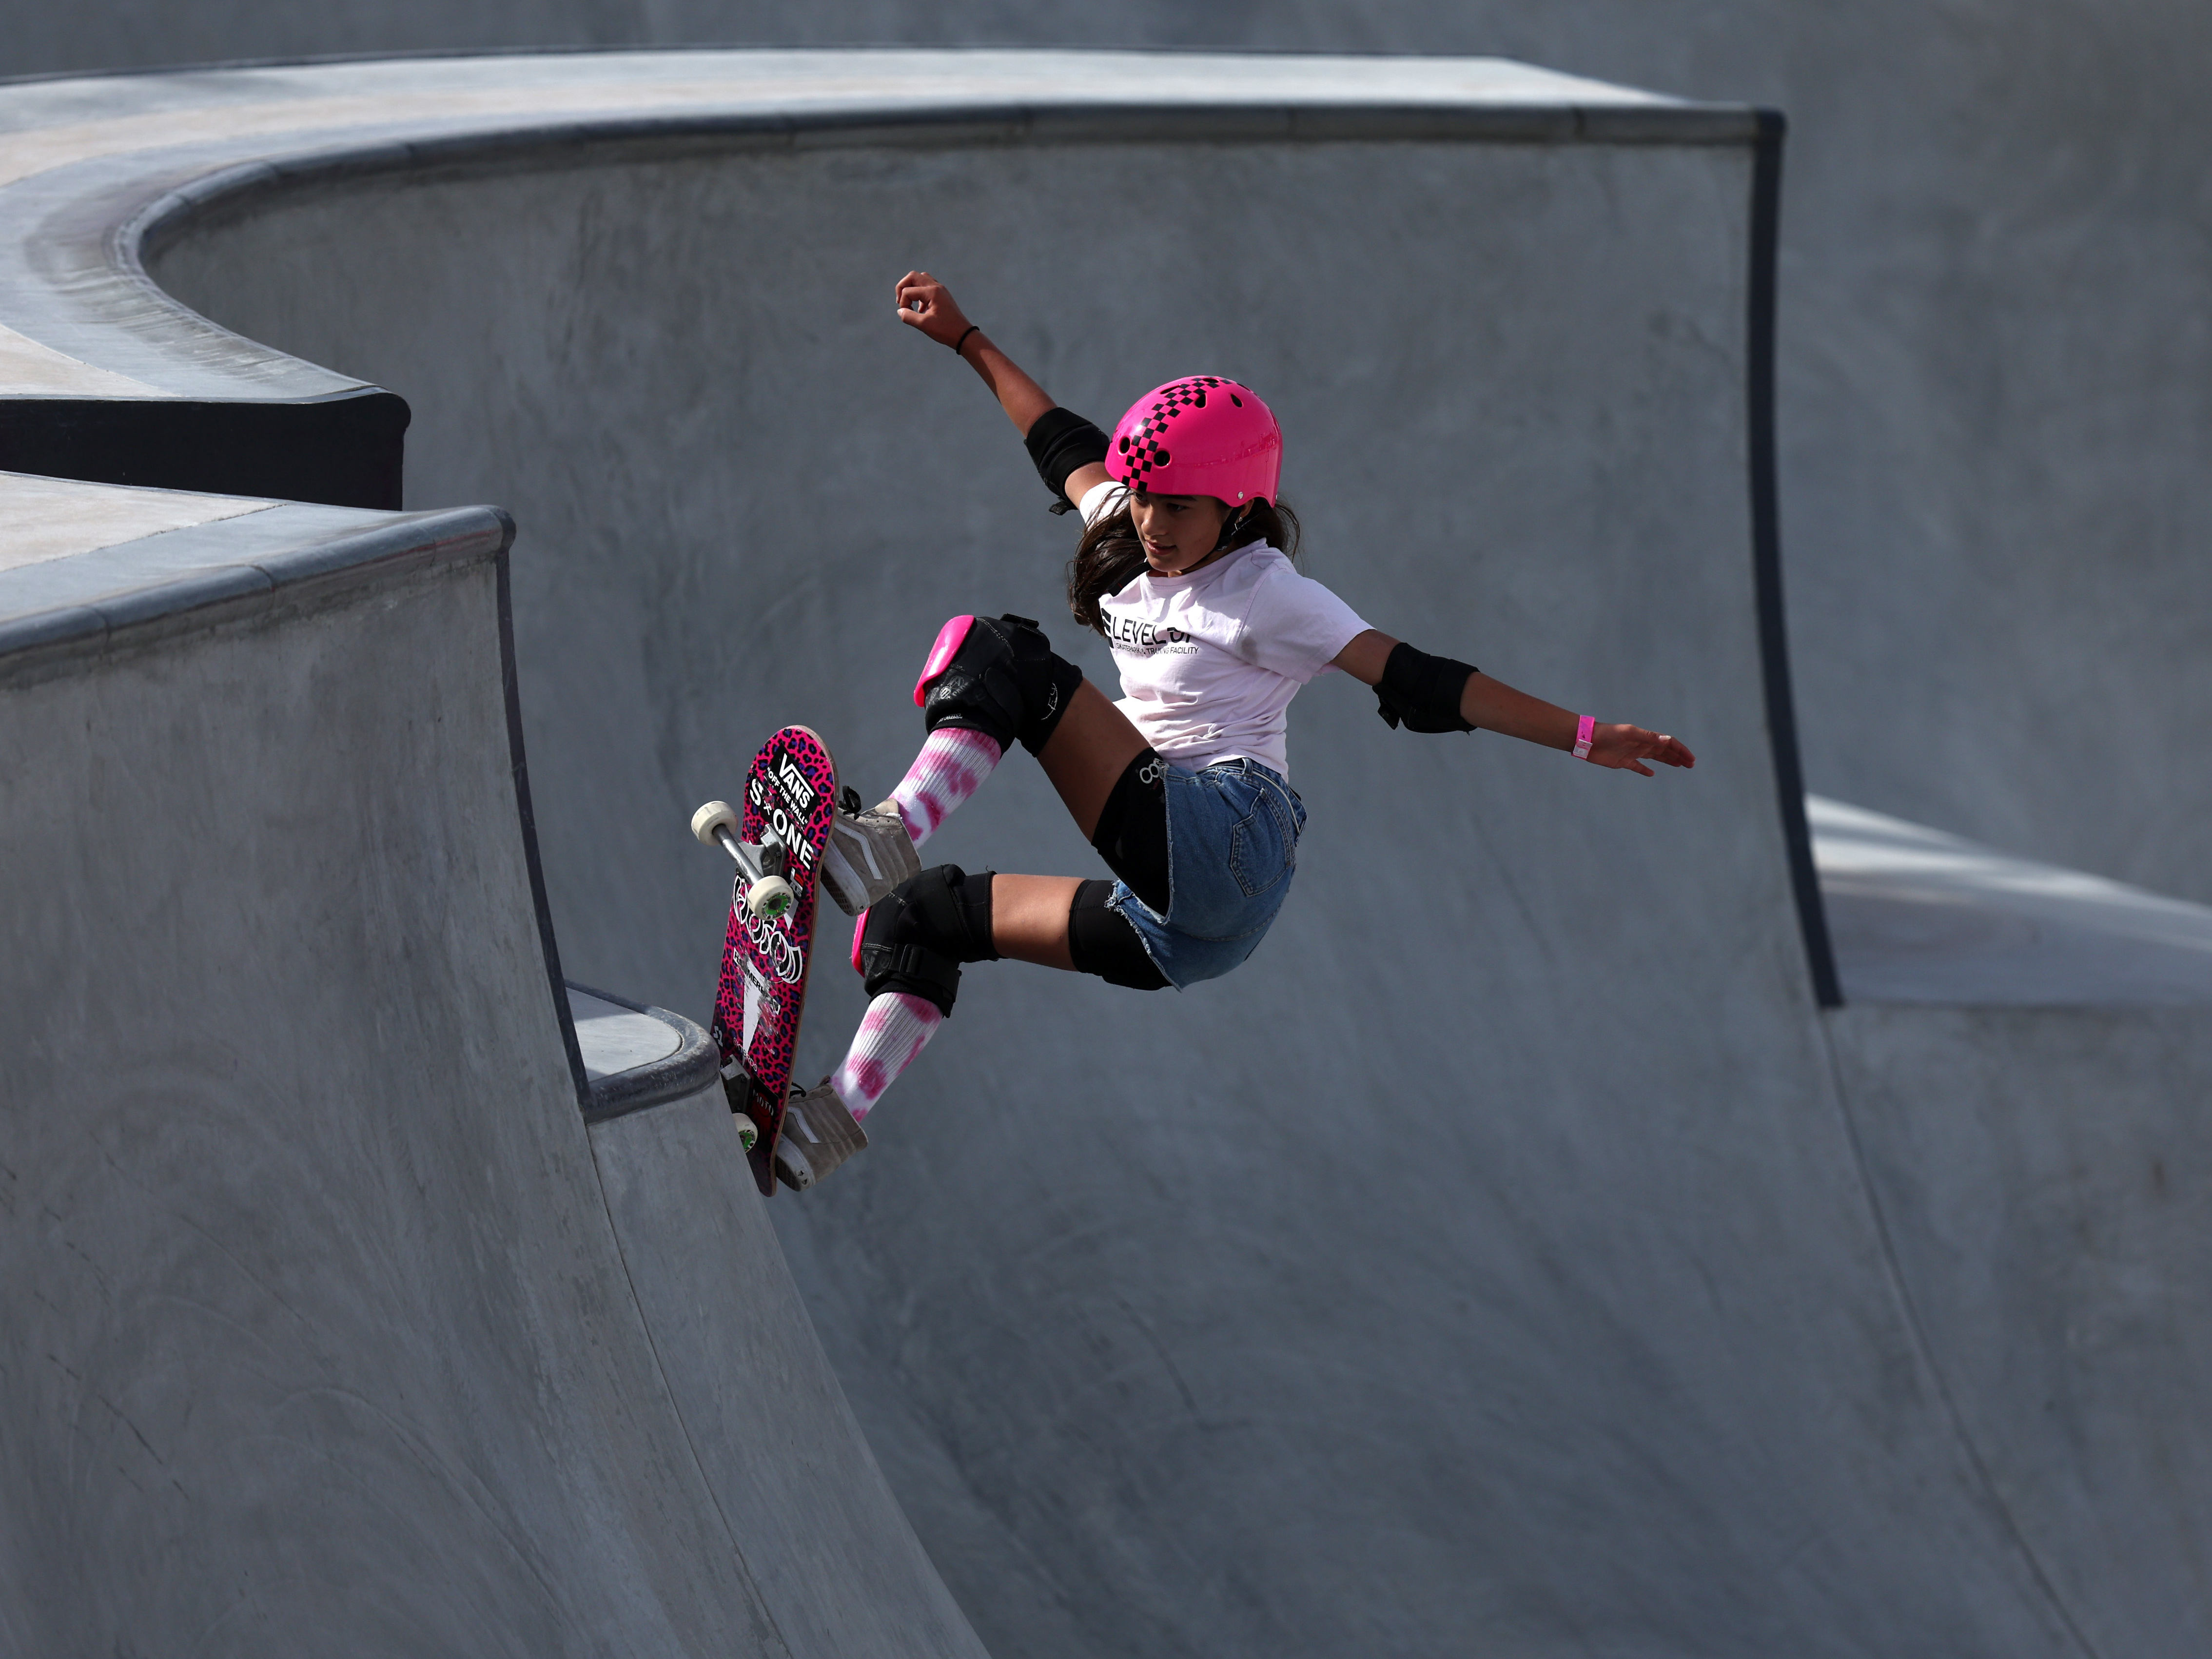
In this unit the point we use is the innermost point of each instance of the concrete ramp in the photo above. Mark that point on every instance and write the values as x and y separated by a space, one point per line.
332 1328
1525 1252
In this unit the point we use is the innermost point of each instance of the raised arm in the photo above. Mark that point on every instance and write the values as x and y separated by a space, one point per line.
927 304
1413 687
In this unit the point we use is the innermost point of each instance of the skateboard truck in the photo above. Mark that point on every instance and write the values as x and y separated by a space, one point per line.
763 863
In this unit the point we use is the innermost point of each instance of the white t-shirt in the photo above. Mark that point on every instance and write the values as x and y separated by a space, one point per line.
1210 661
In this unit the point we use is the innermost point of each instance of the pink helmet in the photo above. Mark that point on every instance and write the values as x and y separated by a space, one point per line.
1199 436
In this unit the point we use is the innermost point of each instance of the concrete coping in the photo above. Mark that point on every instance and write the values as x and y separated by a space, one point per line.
77 580
636 1055
95 171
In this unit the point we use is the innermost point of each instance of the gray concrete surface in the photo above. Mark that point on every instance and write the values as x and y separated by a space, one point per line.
1920 916
331 1328
636 1056
1510 1257
1993 347
614 1039
56 518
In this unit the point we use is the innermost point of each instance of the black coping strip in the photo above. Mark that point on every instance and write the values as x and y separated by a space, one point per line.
527 821
344 450
1767 559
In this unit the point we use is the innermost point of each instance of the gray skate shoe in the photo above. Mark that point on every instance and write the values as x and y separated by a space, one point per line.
818 1134
869 854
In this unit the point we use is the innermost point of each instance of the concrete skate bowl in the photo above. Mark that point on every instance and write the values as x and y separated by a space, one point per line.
1521 1253
334 1325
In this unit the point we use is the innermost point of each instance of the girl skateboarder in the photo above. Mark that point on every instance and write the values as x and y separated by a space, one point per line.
1184 568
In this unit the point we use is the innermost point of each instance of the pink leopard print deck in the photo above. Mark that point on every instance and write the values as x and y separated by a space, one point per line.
792 789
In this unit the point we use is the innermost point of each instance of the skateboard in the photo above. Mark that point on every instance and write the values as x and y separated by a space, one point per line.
776 841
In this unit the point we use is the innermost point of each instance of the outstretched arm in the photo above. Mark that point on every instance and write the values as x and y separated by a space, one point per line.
1497 706
927 304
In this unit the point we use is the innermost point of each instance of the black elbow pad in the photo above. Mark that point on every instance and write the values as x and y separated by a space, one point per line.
1421 691
1059 443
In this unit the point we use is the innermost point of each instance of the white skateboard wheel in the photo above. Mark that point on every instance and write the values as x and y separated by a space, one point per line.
715 815
769 898
747 1136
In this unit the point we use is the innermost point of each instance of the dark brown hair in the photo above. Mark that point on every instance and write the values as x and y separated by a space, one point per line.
1110 556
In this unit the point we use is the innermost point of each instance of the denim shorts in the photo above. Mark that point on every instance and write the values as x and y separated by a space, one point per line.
1232 848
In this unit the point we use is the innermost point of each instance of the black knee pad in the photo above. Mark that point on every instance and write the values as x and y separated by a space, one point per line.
917 935
1102 942
998 676
1131 835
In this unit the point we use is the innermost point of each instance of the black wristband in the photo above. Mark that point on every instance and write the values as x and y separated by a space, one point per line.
1060 442
963 340
1422 691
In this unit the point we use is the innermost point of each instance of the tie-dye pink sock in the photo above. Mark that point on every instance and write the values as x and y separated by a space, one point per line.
951 766
896 1028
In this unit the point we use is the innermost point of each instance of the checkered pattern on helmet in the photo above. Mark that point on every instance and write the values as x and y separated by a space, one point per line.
1144 448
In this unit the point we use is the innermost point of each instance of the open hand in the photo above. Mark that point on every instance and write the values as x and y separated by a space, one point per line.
927 304
1629 746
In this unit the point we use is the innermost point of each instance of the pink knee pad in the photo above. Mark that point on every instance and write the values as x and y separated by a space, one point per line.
949 638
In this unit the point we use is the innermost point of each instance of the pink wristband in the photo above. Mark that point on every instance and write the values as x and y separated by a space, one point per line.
1585 729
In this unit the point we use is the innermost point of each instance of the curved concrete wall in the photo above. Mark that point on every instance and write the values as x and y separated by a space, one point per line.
1512 1253
326 1334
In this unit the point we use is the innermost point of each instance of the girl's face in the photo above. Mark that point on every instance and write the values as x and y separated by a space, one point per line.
1178 531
